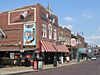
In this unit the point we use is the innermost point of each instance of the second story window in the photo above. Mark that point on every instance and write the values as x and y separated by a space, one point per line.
2 34
68 41
50 31
55 34
44 30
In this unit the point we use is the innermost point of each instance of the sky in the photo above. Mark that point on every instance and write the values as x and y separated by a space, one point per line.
81 16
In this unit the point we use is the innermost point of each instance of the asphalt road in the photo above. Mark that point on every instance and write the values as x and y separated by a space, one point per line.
85 68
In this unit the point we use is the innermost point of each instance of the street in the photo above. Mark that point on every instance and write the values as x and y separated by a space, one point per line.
84 68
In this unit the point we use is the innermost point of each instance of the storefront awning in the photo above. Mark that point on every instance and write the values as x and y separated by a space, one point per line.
83 50
47 46
61 48
18 49
8 49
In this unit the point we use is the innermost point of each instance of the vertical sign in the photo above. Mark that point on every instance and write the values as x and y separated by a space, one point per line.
29 35
73 42
12 55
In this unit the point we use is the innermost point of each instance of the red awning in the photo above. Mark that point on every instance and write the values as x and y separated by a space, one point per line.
48 47
61 48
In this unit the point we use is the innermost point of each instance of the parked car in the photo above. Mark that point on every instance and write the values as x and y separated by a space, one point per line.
93 58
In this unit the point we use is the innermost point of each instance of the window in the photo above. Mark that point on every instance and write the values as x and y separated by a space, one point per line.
46 15
53 21
2 34
68 41
55 34
59 37
50 31
44 30
64 39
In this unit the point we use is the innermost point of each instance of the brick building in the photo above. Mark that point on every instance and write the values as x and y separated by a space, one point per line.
64 34
79 45
28 31
64 37
81 41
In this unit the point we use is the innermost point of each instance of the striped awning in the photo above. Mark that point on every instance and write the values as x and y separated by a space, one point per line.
48 46
61 48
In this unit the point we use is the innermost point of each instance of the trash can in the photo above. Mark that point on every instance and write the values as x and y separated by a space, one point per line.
35 64
40 63
55 61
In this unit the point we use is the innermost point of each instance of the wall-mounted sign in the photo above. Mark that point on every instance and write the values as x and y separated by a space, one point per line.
73 42
12 55
21 16
29 35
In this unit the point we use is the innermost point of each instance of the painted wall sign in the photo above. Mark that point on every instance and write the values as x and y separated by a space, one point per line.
29 35
21 16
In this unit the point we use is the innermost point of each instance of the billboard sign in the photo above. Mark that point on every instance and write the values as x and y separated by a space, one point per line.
21 16
29 34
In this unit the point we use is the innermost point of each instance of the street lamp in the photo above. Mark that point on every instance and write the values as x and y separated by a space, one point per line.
78 43
78 52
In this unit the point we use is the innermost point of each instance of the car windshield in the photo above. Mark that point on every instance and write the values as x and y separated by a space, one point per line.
93 56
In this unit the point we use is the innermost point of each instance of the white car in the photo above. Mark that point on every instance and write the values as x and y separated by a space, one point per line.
93 58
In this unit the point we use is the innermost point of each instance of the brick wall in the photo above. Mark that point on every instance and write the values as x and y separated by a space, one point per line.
13 26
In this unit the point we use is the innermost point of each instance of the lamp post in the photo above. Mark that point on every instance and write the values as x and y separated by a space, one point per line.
73 44
78 43
78 52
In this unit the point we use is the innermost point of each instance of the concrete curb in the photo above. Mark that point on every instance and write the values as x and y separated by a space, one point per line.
32 70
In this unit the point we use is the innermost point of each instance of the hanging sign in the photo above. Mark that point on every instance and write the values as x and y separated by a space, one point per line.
73 42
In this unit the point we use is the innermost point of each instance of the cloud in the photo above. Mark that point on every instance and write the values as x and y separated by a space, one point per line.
68 19
69 26
92 39
88 16
89 41
95 37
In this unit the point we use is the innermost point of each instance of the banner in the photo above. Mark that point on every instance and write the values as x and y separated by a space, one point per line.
29 35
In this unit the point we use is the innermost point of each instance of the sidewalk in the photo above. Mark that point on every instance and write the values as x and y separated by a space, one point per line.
14 70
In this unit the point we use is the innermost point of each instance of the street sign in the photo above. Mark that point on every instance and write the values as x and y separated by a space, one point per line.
12 55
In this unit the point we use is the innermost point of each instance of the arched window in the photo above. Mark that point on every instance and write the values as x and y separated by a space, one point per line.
55 34
2 34
50 31
44 30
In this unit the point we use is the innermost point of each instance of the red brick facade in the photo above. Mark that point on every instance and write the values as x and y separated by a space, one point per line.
12 25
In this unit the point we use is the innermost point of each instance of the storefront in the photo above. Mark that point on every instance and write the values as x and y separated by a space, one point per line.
62 52
49 50
83 52
74 52
19 56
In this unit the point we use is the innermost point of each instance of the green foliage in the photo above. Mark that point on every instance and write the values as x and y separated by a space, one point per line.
5 61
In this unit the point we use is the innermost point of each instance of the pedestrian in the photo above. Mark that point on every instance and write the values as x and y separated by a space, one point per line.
15 62
67 58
